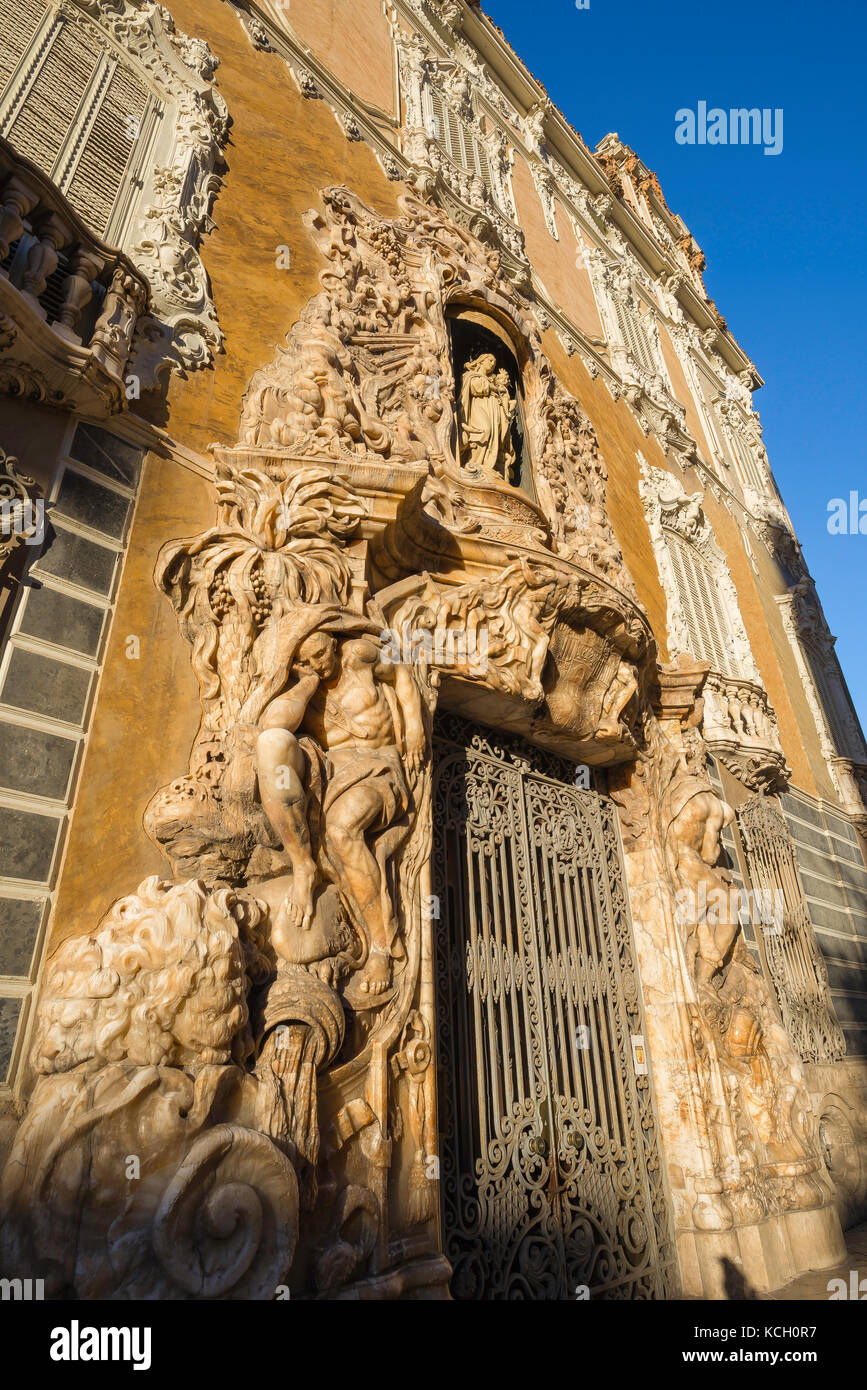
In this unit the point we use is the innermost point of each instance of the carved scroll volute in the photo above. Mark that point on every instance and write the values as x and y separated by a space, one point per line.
22 517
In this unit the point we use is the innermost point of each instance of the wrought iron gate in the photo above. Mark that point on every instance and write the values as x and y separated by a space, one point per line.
550 1174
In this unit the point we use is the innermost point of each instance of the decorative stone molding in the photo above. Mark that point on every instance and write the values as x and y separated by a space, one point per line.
432 89
253 28
741 729
669 508
850 777
376 344
740 725
20 520
166 211
544 183
636 353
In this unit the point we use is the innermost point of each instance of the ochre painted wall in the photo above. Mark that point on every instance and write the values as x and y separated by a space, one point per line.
352 40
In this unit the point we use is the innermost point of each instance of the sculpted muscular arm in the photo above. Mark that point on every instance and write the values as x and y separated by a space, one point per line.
409 699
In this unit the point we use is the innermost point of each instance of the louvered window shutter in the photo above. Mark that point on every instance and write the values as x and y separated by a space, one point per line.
749 467
77 115
706 620
635 337
460 143
40 123
94 179
433 110
19 20
453 132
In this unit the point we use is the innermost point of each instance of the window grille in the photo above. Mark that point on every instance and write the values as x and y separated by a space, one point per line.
792 954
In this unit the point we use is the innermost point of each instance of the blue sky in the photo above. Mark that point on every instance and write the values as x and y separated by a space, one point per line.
783 235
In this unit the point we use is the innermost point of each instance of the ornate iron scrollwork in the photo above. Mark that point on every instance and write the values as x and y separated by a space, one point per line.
791 951
550 1174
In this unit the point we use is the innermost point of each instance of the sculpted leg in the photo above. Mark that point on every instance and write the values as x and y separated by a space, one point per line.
280 768
346 823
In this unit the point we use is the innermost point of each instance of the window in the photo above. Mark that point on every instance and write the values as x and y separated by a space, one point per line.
745 462
792 954
708 392
704 617
69 104
633 331
707 623
48 674
460 143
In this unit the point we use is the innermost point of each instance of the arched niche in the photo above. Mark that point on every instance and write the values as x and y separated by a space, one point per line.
488 368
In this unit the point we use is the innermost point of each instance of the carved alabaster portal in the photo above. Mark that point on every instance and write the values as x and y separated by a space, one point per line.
259 1029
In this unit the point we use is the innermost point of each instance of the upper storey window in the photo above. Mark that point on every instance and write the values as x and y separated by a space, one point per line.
69 104
711 634
116 106
704 618
460 142
635 335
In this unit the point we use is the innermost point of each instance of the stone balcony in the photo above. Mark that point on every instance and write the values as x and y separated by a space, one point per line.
69 304
740 728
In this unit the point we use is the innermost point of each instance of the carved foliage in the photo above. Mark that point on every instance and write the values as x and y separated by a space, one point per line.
366 369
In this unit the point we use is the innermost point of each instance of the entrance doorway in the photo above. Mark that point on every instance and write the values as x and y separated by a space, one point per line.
550 1174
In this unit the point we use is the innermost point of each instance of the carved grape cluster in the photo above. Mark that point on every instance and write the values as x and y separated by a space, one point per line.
262 602
220 596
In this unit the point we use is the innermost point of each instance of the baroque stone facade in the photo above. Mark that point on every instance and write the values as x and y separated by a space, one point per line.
486 738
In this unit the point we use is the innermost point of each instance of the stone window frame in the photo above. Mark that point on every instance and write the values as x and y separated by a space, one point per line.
425 74
107 60
162 206
618 292
669 510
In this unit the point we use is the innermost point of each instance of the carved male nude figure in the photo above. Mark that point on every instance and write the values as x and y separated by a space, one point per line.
365 717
